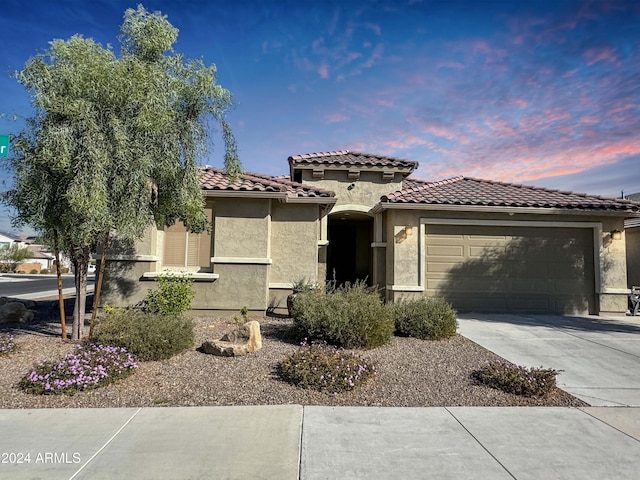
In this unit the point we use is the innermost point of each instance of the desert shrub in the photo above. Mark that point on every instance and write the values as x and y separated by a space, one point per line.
350 316
90 366
172 297
516 379
148 336
325 368
7 344
33 271
44 271
424 317
64 270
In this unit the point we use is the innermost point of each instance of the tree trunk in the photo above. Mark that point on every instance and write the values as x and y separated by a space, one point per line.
81 263
98 286
56 249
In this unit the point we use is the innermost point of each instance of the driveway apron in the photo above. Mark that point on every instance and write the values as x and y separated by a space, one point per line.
598 357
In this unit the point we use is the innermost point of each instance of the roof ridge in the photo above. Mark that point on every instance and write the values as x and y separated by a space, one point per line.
320 154
338 153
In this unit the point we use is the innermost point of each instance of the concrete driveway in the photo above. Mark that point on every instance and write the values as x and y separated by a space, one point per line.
599 357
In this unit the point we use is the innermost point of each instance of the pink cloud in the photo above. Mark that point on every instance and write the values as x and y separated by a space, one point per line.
519 102
375 28
376 55
335 118
604 54
589 119
323 70
440 131
449 64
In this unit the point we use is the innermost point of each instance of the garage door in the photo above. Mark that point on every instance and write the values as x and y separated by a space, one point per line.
511 269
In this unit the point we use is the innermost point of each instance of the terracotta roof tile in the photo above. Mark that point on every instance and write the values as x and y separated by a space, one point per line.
215 179
473 191
345 157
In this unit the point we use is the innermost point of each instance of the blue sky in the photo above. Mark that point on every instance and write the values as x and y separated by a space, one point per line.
539 92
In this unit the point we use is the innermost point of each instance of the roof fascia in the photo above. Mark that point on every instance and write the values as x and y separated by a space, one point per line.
381 206
280 196
243 194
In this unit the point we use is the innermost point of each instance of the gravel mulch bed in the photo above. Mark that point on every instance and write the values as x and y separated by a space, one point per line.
410 373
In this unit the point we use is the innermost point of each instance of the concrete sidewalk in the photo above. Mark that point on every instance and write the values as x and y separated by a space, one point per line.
291 442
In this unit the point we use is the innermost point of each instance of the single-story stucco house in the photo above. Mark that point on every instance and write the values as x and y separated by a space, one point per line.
485 246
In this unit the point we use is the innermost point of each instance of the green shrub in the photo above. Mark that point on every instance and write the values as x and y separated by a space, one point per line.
90 366
424 317
148 336
172 297
350 316
324 368
33 271
519 380
44 271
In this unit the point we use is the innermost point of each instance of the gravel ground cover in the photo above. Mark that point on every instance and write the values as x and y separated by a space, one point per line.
410 373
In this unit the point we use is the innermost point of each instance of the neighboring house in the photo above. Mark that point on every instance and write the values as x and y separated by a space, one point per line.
482 245
8 239
41 259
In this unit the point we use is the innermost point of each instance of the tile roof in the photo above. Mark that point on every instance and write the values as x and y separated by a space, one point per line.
473 191
347 158
215 179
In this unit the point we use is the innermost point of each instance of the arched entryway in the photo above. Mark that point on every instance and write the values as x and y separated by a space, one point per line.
349 252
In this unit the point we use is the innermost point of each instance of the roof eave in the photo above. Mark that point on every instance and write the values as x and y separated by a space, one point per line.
281 196
320 200
381 206
244 194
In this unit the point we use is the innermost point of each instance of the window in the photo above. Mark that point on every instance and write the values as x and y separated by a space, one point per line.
184 249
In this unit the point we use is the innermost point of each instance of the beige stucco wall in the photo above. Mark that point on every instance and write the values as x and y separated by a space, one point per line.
294 233
365 191
613 297
239 285
241 228
256 243
125 266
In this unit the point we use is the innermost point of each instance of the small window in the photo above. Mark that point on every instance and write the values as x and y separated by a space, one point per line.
185 249
297 176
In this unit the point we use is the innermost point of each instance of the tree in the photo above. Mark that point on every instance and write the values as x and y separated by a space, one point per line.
114 143
11 256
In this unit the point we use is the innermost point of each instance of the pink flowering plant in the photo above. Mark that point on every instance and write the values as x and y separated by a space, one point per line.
517 379
7 344
90 366
325 368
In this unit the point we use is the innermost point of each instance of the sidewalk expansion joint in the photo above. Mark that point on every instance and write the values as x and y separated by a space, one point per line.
608 424
480 443
113 437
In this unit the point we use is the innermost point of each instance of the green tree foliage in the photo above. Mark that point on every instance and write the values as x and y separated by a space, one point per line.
114 140
11 256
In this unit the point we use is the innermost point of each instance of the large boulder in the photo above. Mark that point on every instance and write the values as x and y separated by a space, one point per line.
15 312
245 339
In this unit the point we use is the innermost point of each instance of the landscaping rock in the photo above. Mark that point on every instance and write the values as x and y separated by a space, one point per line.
243 340
15 312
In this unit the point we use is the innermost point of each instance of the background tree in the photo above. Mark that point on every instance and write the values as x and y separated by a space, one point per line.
114 143
12 256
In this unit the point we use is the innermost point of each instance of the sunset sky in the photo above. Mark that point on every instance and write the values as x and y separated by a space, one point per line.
539 92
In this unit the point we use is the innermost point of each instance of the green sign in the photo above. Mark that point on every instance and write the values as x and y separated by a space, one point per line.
4 145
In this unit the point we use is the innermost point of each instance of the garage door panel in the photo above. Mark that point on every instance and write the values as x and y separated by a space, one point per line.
519 269
445 250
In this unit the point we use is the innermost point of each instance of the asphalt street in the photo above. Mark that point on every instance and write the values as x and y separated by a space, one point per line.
34 287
